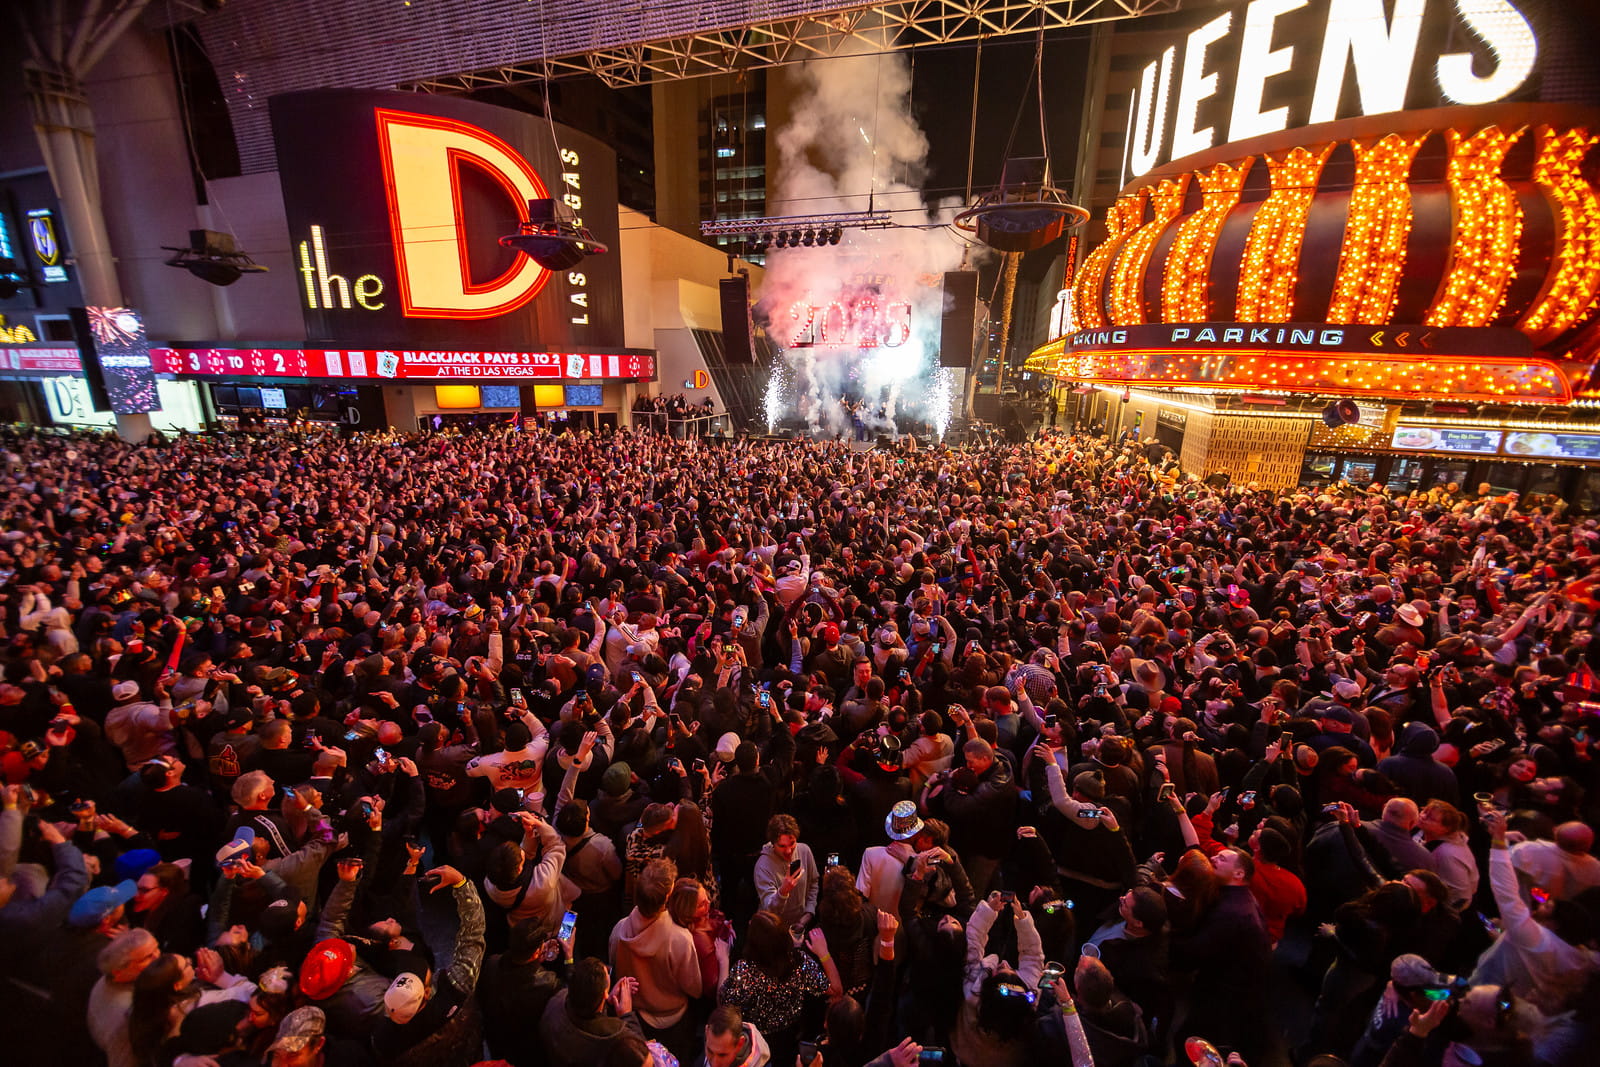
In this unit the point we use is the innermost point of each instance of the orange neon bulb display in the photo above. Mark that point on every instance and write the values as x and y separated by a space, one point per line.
1127 278
1373 255
1121 220
1268 272
1568 296
1185 287
1487 224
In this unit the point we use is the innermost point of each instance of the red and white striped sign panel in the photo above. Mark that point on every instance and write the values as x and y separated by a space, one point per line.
403 364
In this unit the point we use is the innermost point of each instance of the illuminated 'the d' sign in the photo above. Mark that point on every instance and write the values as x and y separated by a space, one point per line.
1486 56
422 158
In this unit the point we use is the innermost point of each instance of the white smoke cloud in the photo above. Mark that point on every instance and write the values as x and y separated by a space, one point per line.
852 143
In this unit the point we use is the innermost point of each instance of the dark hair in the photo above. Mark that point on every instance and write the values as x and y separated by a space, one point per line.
1275 848
572 819
1009 1018
690 845
1432 884
746 757
768 947
725 1019
586 988
155 992
505 864
525 940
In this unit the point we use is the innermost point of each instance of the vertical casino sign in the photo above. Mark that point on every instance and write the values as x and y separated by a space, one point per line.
396 203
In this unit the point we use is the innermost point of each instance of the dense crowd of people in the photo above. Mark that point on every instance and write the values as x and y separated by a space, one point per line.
622 750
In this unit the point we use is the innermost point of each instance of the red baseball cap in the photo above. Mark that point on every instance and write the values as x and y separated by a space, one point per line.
328 966
830 633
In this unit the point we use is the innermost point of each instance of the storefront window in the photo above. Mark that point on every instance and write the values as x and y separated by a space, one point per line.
1586 496
1405 475
1444 473
1360 471
1318 469
1544 480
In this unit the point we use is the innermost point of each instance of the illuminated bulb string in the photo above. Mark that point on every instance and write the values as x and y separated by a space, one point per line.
1373 255
1487 226
1127 280
1268 273
1569 293
1508 382
1121 220
1185 287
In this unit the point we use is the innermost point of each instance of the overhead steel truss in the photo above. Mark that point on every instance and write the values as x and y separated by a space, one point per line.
261 48
879 27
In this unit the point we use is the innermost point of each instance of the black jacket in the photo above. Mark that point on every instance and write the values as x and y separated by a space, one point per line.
984 821
740 808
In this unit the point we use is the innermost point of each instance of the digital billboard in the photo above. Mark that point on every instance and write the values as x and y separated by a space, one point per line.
116 360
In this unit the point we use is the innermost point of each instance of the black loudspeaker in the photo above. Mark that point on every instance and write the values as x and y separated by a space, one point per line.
960 307
736 346
1341 413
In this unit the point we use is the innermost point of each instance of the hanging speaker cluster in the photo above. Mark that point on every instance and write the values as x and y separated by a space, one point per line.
1341 413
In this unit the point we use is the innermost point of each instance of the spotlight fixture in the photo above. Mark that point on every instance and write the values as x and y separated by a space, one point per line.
213 257
835 234
551 242
794 238
782 240
809 239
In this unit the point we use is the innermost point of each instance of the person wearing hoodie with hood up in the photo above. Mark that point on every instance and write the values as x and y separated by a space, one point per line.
1414 770
649 946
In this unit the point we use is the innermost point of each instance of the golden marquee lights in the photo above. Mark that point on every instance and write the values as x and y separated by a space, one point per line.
1184 295
1121 221
1127 284
1481 280
1571 290
1272 251
1488 222
1374 250
1482 379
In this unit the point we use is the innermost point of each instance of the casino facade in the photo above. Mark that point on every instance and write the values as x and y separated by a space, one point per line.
389 302
1353 243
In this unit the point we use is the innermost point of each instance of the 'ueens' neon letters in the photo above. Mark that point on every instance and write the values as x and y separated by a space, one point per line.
1380 46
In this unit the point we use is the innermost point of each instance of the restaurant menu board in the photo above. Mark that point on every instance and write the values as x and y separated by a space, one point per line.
1553 445
1447 439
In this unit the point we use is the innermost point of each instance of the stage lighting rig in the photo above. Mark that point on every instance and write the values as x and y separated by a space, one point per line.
796 231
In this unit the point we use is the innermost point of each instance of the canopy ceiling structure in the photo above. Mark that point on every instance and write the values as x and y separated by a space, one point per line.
261 48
